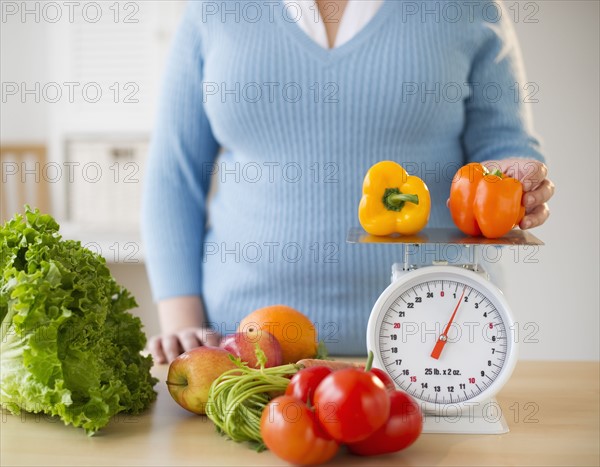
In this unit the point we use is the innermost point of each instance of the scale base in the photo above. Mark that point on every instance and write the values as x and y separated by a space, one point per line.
474 423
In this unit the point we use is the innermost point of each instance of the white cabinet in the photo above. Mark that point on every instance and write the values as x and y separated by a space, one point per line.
108 70
104 186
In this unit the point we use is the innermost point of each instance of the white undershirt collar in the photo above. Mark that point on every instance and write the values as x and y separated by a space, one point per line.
355 17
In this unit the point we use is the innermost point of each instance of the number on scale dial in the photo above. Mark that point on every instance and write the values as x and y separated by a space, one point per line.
444 338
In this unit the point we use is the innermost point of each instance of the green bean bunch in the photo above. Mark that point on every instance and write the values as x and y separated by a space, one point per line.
237 398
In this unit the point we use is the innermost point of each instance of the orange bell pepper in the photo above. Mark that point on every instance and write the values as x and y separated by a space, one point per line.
483 202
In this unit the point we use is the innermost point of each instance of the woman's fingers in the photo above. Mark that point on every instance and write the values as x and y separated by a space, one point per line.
532 174
208 337
537 216
188 339
166 348
537 191
155 348
171 347
540 195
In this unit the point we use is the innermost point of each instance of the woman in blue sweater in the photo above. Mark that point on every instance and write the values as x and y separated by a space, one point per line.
284 106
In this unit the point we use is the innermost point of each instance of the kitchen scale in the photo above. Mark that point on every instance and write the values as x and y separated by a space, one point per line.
445 333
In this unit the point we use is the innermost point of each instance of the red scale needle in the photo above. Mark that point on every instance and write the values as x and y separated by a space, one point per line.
441 342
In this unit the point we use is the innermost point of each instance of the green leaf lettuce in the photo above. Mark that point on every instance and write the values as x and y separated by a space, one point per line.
69 347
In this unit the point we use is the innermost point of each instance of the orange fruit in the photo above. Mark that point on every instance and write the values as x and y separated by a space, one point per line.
294 331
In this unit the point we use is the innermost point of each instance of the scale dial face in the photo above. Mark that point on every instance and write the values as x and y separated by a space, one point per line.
445 335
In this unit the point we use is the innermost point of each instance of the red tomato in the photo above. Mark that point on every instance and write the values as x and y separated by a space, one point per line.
351 404
401 430
385 378
303 384
291 431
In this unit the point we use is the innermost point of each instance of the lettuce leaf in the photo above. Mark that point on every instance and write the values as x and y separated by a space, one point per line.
69 347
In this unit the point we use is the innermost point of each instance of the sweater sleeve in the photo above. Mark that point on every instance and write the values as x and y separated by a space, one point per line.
498 118
177 174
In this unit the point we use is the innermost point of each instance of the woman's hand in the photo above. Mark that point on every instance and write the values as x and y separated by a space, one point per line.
167 347
181 320
537 187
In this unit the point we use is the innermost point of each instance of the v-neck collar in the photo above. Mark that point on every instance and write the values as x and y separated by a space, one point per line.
328 54
356 15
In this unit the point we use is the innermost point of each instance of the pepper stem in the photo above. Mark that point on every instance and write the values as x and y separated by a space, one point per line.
402 198
369 361
394 200
497 173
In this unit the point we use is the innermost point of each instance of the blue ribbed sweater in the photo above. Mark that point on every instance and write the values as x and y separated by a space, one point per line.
298 126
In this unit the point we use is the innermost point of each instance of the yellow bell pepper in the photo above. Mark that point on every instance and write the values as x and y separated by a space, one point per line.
393 201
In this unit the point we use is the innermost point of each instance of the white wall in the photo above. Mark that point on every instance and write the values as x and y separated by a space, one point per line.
555 299
560 292
24 58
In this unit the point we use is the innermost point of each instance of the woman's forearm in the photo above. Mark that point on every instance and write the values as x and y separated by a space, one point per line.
175 314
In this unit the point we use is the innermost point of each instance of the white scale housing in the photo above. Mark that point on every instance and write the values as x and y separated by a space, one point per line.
455 384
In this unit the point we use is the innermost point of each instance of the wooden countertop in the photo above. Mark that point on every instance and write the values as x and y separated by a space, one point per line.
552 409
